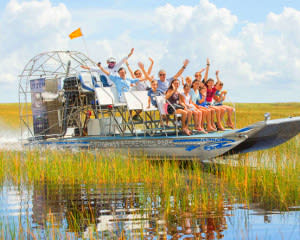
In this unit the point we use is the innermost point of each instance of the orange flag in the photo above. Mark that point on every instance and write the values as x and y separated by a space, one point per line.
76 33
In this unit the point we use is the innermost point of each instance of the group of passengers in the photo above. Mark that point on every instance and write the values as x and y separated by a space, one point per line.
200 98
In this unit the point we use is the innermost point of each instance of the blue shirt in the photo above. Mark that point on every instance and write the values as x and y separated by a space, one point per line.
152 96
195 96
163 86
122 85
218 93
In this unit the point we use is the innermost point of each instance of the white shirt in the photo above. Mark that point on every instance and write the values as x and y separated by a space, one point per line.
114 71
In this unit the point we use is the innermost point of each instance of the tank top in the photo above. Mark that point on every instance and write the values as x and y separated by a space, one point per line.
187 99
174 98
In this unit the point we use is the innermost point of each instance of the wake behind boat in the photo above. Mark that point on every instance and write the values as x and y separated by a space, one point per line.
63 106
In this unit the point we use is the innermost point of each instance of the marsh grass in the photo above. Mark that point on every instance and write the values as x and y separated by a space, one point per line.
248 113
267 178
9 115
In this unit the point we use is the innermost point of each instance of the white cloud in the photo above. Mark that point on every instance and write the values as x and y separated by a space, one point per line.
28 28
258 61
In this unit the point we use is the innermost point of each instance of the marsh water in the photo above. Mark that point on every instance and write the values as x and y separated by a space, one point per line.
131 211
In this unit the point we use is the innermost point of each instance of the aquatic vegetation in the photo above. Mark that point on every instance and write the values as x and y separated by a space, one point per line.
268 179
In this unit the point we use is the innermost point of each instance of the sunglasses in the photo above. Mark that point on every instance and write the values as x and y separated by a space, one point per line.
162 74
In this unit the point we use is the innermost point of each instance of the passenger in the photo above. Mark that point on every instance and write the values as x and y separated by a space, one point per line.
104 79
197 101
219 98
210 92
112 68
198 75
188 80
163 82
186 101
143 84
172 95
122 83
152 93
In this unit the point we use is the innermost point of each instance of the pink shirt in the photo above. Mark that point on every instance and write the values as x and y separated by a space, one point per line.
210 94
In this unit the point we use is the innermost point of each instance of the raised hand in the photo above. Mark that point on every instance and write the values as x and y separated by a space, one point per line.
217 72
151 60
207 62
141 65
131 52
186 62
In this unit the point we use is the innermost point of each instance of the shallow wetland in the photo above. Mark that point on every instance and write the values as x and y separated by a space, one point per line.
54 194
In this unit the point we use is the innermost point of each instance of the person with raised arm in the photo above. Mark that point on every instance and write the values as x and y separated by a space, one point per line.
186 101
172 95
197 100
106 82
198 75
143 84
163 82
112 68
219 97
188 81
112 65
122 83
210 92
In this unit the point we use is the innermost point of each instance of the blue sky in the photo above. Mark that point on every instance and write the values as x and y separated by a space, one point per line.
254 44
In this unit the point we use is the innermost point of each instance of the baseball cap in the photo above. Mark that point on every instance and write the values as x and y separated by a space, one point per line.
111 59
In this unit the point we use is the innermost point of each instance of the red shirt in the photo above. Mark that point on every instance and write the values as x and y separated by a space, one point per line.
210 94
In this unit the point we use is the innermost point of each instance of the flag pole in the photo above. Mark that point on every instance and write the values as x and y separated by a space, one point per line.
85 46
77 33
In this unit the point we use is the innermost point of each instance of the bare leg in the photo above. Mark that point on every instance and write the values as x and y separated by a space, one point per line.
212 113
189 117
209 128
229 116
196 120
218 115
183 120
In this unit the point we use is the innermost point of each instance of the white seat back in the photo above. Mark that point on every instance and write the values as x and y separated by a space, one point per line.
143 98
161 101
115 95
132 101
86 81
104 96
138 100
108 96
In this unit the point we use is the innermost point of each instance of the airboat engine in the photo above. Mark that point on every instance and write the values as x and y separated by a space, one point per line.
55 100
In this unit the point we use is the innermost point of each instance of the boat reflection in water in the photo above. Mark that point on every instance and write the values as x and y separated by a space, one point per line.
113 211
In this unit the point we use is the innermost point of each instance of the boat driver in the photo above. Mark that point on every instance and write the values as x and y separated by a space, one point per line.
112 68
112 65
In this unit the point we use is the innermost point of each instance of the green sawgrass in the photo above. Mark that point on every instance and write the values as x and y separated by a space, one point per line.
269 177
247 113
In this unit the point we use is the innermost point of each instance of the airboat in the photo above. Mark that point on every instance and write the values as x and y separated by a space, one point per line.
63 106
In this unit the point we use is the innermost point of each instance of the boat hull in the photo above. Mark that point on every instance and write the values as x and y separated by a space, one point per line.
261 135
273 133
202 146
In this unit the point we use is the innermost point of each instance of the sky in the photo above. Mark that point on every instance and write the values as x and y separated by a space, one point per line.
255 44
